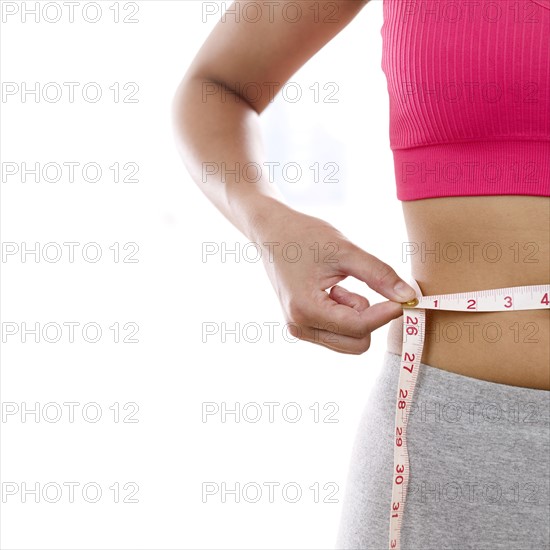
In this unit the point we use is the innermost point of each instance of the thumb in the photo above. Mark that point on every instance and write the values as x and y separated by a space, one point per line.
378 275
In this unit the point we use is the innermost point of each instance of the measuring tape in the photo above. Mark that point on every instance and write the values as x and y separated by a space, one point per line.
414 316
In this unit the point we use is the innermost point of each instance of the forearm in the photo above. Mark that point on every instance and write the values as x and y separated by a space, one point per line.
217 137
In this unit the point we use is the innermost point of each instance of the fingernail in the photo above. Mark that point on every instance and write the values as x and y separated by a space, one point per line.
404 291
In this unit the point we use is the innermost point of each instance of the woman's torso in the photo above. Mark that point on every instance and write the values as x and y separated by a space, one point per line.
457 244
469 90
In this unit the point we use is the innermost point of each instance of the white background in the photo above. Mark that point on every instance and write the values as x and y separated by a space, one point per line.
168 453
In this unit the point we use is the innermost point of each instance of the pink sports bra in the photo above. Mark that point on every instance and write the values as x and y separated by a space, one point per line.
469 88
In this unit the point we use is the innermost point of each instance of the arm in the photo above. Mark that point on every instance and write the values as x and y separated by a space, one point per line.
214 118
216 121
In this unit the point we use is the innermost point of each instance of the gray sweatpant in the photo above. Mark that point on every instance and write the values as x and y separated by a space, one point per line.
479 455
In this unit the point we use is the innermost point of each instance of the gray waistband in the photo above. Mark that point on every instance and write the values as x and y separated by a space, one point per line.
459 398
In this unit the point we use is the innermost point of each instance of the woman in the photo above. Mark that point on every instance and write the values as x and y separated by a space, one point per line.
470 132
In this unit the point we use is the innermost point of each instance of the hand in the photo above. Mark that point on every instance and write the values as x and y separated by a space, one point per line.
319 258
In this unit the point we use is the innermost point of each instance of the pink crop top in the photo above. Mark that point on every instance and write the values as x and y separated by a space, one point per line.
469 89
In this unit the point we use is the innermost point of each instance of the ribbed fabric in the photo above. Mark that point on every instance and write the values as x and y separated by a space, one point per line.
469 88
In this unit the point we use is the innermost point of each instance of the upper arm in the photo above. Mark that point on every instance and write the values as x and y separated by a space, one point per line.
255 54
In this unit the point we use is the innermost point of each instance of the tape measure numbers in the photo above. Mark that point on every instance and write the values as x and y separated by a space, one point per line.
414 319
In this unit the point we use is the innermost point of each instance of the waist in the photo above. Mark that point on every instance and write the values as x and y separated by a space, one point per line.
511 347
459 244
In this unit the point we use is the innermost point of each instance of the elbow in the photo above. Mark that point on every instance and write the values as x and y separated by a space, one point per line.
176 105
181 111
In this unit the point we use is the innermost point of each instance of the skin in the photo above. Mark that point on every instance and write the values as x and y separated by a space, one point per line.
521 355
223 127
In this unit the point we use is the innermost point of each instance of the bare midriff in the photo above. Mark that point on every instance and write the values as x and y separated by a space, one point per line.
459 244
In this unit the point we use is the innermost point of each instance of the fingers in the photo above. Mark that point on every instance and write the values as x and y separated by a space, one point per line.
378 275
377 316
335 342
329 337
341 320
347 298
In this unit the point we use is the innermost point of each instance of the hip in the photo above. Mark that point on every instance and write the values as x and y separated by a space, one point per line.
479 460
